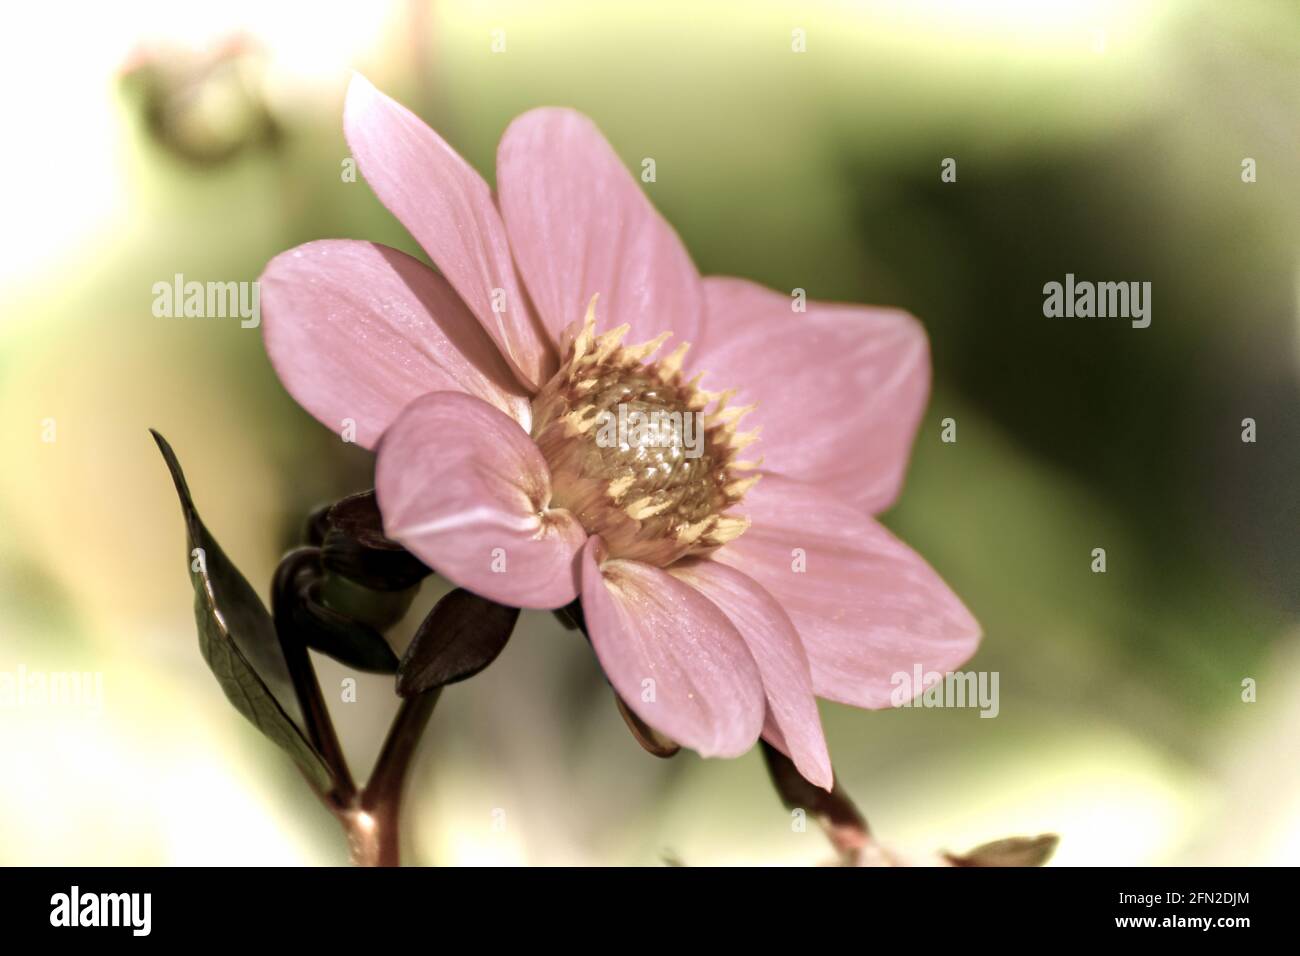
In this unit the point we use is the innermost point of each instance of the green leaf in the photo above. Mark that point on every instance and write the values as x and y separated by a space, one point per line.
237 637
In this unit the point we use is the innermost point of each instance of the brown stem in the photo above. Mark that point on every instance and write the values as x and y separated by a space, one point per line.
367 844
840 819
374 830
320 729
369 816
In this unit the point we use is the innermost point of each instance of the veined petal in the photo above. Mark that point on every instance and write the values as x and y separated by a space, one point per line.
448 208
840 389
357 331
671 654
866 606
580 225
792 721
465 489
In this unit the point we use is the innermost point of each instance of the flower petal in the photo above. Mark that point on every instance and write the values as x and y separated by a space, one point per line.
465 489
657 637
840 388
792 721
358 331
448 208
865 605
579 225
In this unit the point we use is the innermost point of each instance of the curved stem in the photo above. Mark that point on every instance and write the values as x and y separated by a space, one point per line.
315 714
376 824
370 816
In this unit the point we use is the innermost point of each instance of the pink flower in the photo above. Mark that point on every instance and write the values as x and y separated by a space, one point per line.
718 605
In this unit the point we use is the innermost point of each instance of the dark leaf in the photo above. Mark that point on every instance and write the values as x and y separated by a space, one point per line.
358 516
1013 851
317 525
348 641
844 824
355 547
652 740
380 608
237 637
298 603
462 635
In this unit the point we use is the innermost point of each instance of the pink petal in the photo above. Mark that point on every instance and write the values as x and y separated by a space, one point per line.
840 388
579 225
465 489
357 331
657 637
866 606
792 722
448 208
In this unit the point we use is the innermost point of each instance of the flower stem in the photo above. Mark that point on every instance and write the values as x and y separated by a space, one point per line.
315 714
843 823
380 803
370 816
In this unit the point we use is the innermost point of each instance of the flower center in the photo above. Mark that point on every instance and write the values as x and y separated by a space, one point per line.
639 455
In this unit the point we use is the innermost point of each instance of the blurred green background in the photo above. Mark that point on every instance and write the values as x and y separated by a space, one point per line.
1100 138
